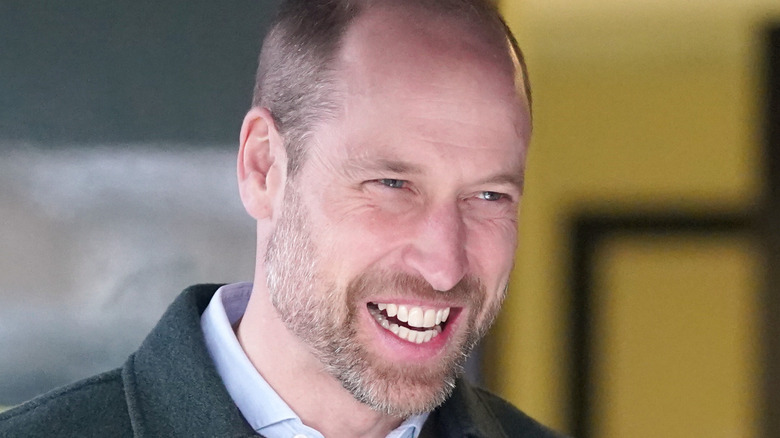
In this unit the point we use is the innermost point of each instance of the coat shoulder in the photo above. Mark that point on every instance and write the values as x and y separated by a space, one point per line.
94 407
513 420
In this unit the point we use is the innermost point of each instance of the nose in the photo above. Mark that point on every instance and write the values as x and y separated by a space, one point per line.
437 251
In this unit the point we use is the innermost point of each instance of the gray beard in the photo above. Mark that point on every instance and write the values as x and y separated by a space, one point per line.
326 319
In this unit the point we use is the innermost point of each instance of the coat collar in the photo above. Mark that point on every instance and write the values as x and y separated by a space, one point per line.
464 414
171 384
174 390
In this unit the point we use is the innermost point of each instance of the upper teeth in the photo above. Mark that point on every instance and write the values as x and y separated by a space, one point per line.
427 320
416 316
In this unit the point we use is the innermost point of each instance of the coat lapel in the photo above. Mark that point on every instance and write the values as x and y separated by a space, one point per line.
171 384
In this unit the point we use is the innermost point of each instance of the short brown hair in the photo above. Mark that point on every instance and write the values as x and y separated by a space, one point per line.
296 75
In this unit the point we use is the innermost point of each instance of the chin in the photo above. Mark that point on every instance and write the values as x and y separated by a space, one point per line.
400 388
403 394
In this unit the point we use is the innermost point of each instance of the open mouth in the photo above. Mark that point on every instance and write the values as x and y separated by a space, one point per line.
411 323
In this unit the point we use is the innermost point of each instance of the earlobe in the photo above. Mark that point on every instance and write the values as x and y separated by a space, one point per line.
261 163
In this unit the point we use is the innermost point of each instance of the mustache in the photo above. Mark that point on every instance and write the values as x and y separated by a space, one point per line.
398 285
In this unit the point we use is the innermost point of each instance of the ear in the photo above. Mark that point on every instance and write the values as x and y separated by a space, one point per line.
262 164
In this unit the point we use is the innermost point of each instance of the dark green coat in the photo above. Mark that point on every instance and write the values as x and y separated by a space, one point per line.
170 388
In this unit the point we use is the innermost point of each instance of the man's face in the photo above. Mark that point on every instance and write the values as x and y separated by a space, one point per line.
391 256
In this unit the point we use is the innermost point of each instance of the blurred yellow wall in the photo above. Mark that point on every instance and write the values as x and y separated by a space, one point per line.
638 105
676 338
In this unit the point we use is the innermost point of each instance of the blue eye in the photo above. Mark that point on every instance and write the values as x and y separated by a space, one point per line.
392 183
491 196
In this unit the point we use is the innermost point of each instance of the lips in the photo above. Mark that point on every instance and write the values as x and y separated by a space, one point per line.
410 323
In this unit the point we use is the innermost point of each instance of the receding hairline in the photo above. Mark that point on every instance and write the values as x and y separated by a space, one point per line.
299 76
490 32
489 41
493 28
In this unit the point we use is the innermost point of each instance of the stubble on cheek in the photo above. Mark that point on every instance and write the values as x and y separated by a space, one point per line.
327 320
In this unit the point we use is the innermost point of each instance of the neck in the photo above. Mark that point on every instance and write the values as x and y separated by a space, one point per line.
299 378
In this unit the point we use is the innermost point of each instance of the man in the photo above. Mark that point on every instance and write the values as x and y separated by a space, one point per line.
383 161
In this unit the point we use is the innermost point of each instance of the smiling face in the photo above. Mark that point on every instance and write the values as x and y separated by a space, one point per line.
392 253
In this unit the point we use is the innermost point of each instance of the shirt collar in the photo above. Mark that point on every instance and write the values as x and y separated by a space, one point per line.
260 405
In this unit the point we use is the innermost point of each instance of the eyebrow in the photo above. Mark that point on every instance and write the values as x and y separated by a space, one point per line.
516 179
357 164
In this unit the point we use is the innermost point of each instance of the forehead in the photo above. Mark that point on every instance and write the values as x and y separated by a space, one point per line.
417 48
428 75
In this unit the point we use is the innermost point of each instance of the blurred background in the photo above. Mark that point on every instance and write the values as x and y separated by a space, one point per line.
642 303
118 134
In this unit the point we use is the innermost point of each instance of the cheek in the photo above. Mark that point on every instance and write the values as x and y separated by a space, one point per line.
492 255
491 249
359 234
376 231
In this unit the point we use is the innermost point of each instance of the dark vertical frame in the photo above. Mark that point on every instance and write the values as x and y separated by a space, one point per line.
588 232
771 229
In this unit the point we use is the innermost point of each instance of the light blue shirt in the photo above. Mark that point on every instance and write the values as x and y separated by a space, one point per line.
260 405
